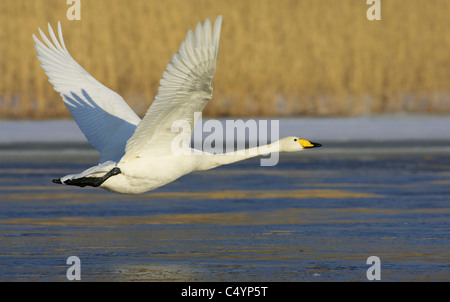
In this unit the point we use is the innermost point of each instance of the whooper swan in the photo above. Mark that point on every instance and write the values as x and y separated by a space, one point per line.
136 155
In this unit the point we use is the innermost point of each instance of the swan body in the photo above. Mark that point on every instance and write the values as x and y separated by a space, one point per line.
136 155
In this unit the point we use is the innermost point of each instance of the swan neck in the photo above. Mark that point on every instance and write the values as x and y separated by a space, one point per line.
210 161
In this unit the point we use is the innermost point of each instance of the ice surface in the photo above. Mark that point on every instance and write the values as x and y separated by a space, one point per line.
383 128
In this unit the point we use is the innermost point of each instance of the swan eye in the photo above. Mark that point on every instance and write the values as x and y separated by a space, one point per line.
295 139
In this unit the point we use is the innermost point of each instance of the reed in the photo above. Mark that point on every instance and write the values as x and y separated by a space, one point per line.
277 58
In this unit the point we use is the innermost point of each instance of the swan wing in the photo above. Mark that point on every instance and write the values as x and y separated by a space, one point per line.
102 115
185 88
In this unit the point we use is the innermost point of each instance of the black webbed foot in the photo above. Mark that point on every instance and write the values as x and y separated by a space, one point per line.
89 181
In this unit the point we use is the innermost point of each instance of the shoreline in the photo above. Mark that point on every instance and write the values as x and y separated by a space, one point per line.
330 129
390 135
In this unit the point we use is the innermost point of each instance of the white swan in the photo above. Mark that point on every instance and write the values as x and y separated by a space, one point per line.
135 154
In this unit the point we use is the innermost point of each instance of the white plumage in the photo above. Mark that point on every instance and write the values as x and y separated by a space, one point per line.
102 115
135 154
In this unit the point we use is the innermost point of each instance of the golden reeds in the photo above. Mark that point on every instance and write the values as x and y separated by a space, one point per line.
277 58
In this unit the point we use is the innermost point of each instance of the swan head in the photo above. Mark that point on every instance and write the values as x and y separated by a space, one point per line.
293 144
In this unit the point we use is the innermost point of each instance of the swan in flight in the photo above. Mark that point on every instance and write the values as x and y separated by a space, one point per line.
136 155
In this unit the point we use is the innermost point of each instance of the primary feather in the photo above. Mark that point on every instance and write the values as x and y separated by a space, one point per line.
102 115
185 88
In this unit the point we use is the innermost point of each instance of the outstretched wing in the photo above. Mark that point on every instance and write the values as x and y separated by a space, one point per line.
185 88
102 115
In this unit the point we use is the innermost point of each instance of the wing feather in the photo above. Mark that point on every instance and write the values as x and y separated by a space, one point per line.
102 115
185 88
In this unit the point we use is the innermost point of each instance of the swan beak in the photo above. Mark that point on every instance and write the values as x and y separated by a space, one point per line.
308 145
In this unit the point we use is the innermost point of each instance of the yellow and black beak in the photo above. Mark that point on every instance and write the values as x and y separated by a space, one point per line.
308 145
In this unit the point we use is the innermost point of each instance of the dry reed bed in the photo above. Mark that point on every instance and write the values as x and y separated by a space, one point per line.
277 58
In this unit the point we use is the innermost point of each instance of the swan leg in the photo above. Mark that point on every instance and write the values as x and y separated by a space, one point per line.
89 181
